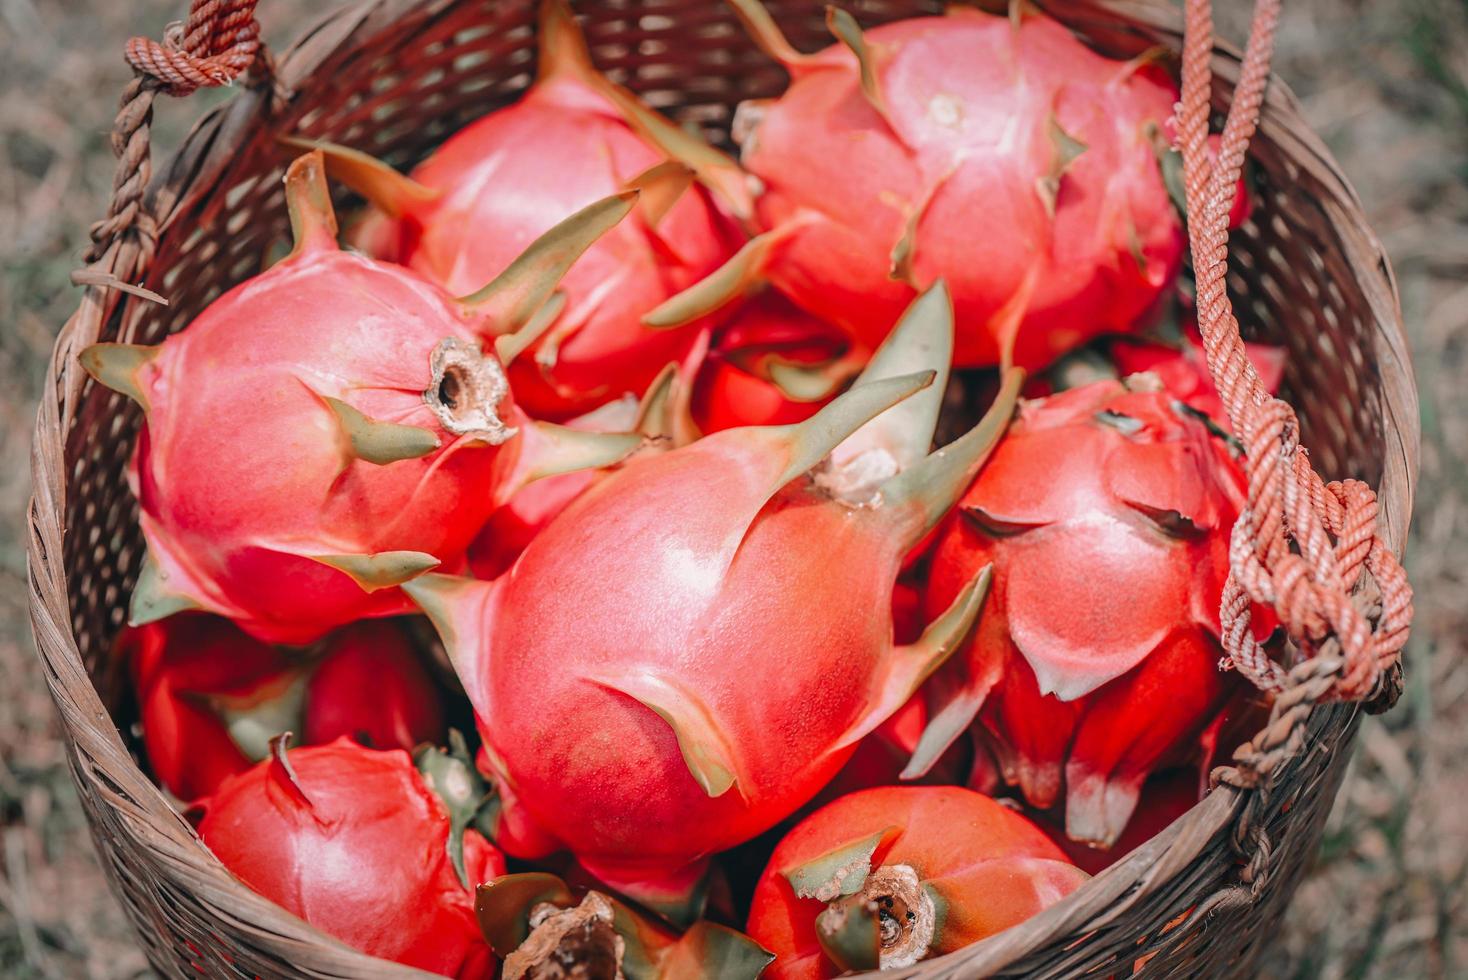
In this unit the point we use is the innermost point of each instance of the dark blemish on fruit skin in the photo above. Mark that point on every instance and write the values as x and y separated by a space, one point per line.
448 389
890 928
906 915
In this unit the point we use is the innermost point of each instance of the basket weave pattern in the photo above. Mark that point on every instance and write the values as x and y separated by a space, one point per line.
394 78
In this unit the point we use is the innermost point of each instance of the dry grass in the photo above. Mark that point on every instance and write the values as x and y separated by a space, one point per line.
1386 83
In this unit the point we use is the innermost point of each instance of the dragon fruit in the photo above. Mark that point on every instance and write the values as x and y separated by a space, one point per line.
468 210
643 736
1105 497
772 364
359 434
887 877
403 710
1002 155
662 418
1165 797
211 697
535 922
1183 368
515 524
880 758
356 842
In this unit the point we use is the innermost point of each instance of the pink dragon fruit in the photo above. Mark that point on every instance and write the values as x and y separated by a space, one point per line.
1105 498
1183 368
211 697
644 736
1165 797
1004 156
369 685
333 427
361 845
514 525
178 666
772 364
881 757
468 210
662 418
888 877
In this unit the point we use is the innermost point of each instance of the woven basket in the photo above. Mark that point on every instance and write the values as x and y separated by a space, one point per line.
394 77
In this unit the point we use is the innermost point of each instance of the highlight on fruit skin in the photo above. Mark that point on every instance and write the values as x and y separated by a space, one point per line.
1105 497
541 927
355 842
464 214
360 437
1000 154
211 697
888 877
645 735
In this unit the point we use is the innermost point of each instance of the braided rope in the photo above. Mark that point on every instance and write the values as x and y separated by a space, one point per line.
219 40
1300 545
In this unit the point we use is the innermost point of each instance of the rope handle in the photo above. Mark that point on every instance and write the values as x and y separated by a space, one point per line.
219 41
1300 545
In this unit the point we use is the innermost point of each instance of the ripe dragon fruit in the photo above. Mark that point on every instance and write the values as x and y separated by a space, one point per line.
403 709
881 757
468 210
644 736
1165 797
1105 497
211 697
535 923
887 877
1002 155
1183 368
515 524
356 842
359 434
772 364
662 418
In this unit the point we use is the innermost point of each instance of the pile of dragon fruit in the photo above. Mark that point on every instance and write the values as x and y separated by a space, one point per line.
603 558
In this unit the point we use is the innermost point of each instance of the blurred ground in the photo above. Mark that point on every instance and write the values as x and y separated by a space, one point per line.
1385 82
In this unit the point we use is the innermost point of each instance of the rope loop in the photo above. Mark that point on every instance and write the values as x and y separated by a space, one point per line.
1307 548
220 40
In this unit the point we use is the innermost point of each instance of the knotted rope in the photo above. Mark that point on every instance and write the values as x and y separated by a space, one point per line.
219 40
1301 545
